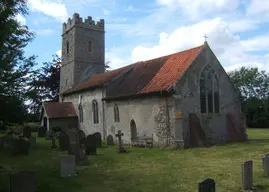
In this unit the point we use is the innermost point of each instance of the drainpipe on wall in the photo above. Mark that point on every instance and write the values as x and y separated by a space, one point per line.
167 121
103 106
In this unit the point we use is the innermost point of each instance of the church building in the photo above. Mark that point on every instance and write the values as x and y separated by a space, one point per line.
185 97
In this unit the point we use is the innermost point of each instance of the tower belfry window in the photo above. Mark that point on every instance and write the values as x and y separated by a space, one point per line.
89 46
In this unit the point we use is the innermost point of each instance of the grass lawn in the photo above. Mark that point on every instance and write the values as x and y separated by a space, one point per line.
146 169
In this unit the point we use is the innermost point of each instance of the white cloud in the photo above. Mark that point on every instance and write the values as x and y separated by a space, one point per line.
198 8
51 8
258 7
106 12
21 19
59 53
227 47
45 32
258 43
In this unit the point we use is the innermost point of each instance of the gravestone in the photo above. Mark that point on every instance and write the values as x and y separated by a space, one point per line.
120 148
26 132
90 145
208 185
42 131
81 157
110 140
266 165
247 175
64 142
81 137
32 141
23 181
68 165
98 139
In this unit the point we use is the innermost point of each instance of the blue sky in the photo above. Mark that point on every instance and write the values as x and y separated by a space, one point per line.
137 30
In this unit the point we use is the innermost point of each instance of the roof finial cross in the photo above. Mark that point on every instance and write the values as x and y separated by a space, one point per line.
205 37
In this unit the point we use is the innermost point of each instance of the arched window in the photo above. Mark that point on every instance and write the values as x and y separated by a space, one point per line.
80 109
116 113
89 46
209 91
67 47
95 112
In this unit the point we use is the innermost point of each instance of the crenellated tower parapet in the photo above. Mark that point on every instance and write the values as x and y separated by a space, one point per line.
88 23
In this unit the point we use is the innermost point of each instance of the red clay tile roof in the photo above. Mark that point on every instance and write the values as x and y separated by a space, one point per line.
59 110
143 77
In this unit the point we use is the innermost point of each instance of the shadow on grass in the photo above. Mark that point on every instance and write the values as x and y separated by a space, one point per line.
261 187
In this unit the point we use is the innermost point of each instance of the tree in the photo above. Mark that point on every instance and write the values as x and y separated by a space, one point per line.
107 67
14 66
252 86
44 85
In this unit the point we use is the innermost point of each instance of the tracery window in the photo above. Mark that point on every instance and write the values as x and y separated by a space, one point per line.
209 91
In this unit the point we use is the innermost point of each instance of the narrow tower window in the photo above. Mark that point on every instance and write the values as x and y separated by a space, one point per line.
67 47
89 46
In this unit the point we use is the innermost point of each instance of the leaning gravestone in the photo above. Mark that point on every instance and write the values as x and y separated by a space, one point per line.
247 175
90 145
266 165
32 141
68 165
27 132
23 181
109 140
64 142
42 131
98 139
208 185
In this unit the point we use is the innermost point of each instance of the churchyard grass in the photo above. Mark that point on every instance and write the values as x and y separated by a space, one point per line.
142 169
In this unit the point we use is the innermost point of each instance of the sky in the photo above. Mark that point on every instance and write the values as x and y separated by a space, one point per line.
138 30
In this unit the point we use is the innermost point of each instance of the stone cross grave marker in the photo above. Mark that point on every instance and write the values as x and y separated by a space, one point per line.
120 147
90 145
23 181
68 165
72 134
266 165
208 185
247 175
32 141
110 140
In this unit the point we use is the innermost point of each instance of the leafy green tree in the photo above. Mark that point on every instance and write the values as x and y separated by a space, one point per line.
14 66
252 86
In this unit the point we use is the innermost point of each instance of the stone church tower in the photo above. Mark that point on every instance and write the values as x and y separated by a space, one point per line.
83 51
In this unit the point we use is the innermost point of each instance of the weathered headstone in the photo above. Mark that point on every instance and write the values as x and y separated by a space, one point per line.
27 131
266 165
98 139
68 165
32 141
208 185
42 131
247 175
81 137
109 140
120 147
81 157
23 181
90 145
64 142
20 146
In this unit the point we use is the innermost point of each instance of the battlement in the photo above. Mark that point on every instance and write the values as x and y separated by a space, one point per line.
87 23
